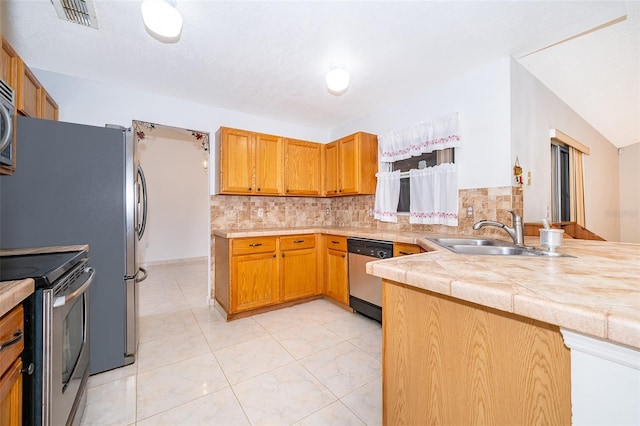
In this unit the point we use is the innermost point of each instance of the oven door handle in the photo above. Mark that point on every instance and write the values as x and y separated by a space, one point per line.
68 298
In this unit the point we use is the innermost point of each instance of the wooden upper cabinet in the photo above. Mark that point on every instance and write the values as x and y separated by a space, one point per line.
302 167
331 168
250 163
49 106
29 97
352 163
9 64
268 164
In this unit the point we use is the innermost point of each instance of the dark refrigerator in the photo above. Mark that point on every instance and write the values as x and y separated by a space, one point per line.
78 184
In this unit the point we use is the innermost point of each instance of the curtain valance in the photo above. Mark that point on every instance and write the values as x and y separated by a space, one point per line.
426 136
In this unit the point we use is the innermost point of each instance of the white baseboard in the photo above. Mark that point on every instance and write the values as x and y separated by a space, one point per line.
175 261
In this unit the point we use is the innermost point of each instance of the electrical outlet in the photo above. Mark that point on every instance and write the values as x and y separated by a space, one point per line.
370 212
327 212
470 212
260 212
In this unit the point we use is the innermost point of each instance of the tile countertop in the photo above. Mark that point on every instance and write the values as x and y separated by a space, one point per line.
395 236
14 292
596 293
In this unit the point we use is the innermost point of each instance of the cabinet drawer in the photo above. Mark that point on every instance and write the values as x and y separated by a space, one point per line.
252 245
295 242
335 242
404 249
11 330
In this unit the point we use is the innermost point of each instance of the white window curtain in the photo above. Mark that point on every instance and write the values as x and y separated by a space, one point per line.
434 195
387 196
426 136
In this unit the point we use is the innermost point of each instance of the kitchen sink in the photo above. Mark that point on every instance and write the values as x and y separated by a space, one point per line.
445 242
490 247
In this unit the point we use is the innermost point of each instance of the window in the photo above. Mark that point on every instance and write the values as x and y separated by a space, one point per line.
419 162
567 183
560 184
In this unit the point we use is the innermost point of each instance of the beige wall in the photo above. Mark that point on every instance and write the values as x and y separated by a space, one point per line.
178 194
535 110
629 212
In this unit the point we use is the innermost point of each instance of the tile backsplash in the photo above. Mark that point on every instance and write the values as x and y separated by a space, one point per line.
241 212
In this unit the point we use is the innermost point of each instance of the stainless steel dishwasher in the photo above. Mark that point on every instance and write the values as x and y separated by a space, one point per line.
365 291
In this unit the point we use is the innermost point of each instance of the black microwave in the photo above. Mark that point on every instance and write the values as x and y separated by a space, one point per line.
7 110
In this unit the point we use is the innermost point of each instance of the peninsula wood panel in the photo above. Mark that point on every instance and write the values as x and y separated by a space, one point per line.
452 362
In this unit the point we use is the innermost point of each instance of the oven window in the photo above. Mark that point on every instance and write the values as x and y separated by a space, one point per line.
73 339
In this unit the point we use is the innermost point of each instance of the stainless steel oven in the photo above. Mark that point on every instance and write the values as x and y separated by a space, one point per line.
56 334
65 364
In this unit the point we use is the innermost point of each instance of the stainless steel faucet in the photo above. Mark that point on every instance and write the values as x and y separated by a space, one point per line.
516 233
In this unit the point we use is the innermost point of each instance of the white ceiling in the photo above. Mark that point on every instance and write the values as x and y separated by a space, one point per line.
269 58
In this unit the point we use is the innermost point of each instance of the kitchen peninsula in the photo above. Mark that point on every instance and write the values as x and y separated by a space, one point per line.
491 333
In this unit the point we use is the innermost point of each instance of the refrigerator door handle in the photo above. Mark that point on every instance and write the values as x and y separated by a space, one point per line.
144 277
143 216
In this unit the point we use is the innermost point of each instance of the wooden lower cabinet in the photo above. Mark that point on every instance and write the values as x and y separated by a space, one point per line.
11 395
298 267
336 266
255 281
10 367
254 273
447 362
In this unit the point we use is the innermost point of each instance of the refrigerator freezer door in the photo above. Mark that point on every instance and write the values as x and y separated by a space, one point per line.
69 188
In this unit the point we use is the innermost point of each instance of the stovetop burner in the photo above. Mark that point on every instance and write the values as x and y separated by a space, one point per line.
44 268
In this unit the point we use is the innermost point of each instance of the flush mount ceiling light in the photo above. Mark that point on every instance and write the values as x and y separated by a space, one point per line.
162 20
337 79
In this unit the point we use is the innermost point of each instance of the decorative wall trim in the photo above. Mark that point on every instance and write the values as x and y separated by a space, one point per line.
602 349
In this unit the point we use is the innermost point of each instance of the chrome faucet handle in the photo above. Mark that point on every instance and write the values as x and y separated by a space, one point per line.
518 228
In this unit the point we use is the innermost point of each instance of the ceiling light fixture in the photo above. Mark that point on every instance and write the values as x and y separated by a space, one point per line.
162 20
337 79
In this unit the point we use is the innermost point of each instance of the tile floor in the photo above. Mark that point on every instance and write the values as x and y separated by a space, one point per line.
310 364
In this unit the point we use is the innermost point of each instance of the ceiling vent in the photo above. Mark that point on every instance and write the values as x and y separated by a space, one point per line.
81 12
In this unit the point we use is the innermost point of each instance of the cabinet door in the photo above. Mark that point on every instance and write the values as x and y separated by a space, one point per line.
336 284
302 167
28 91
236 161
11 395
9 65
255 281
49 106
299 273
348 165
268 164
331 168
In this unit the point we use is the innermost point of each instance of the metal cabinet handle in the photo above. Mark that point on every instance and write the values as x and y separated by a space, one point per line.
258 189
344 255
255 245
298 241
282 254
405 253
335 242
249 188
17 336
